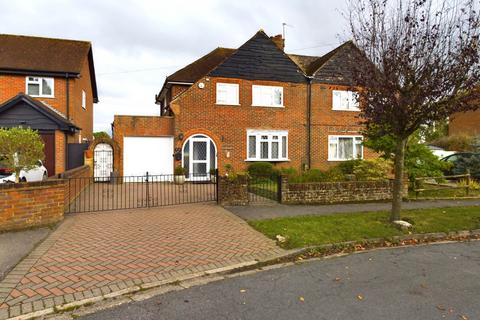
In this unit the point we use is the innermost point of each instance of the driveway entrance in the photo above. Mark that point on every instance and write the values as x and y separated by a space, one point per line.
97 253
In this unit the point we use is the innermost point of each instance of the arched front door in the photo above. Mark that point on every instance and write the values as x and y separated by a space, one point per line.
102 162
199 156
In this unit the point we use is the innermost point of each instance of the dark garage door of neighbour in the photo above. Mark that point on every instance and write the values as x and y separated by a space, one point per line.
49 141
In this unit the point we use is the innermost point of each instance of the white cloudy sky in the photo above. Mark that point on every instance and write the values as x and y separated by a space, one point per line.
136 44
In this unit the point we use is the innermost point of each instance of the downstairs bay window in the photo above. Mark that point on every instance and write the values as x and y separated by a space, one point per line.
267 145
342 148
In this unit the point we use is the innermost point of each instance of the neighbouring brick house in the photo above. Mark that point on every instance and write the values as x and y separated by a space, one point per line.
49 85
465 123
254 103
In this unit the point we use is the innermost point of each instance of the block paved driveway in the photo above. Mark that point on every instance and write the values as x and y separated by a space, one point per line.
98 253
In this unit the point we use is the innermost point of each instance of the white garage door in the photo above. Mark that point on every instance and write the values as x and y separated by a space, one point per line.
147 154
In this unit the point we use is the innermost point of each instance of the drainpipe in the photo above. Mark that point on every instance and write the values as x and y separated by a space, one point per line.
67 94
309 120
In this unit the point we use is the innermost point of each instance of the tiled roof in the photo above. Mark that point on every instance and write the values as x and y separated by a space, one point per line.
42 54
202 66
45 56
259 59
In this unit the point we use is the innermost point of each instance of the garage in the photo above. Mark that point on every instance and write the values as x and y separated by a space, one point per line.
147 154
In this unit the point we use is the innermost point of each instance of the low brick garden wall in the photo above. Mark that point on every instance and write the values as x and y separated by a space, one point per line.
77 180
335 192
233 192
25 205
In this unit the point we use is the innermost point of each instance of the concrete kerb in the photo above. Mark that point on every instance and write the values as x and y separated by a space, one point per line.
149 290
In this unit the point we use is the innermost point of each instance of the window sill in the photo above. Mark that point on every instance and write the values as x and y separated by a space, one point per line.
280 107
348 110
34 96
228 104
342 160
267 160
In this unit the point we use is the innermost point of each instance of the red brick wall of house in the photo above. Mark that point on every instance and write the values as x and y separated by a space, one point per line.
11 85
60 152
467 123
83 118
326 121
196 112
26 205
138 126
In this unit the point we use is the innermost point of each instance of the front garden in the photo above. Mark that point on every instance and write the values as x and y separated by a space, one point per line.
303 231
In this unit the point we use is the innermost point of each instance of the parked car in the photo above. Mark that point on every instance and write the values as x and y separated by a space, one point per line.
38 173
464 162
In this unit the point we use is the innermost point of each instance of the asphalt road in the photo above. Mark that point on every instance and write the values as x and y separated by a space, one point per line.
276 210
16 245
426 282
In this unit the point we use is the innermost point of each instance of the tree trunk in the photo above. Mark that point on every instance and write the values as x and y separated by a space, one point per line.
17 175
398 182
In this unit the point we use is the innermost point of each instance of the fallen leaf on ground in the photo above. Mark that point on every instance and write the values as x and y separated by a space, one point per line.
440 307
463 317
302 299
338 279
243 290
359 297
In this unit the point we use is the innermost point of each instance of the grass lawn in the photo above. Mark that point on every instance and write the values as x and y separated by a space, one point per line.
305 231
444 193
266 188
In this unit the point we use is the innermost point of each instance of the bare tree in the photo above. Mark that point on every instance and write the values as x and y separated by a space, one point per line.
422 65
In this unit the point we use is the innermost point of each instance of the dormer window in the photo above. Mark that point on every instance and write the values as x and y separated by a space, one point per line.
40 87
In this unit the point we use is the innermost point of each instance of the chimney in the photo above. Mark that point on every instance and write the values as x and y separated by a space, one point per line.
279 41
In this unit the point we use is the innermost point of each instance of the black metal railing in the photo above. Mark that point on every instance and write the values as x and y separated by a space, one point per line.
263 188
131 192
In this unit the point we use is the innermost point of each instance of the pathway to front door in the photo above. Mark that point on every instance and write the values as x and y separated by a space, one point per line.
96 253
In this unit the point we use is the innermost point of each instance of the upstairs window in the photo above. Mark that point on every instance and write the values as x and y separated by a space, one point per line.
84 100
267 96
227 93
342 148
40 87
345 100
268 145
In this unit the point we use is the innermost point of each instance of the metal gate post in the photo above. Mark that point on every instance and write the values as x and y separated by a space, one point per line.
148 195
217 181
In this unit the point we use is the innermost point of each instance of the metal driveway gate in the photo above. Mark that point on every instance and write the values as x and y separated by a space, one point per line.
132 192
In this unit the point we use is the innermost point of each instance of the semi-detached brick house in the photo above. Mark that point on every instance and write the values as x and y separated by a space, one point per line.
49 85
254 103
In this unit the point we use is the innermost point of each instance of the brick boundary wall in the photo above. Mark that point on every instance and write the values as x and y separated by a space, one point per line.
233 192
76 180
34 204
335 192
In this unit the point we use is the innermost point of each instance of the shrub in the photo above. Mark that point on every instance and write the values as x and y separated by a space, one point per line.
347 167
373 170
20 148
289 172
179 171
257 169
316 175
455 143
473 185
464 165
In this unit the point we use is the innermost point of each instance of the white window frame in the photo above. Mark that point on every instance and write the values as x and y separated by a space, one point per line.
256 89
84 100
229 86
40 86
270 134
354 137
351 101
